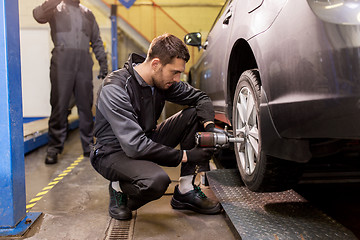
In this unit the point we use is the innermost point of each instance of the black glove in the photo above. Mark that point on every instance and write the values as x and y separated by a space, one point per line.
211 128
199 154
102 73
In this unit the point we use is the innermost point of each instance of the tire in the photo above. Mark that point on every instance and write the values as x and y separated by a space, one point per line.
259 172
225 158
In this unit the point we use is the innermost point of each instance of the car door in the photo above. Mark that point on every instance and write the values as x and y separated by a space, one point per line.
253 5
213 60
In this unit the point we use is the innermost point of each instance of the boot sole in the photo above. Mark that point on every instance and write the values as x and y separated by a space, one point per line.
187 206
48 161
117 217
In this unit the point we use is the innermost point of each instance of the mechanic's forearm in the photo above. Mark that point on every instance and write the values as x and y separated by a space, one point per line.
43 12
98 47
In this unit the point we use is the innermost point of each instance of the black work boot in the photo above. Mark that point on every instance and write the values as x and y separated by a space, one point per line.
51 158
194 200
118 208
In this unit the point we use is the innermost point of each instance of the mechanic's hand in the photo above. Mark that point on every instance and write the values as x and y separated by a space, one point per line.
198 154
102 73
211 128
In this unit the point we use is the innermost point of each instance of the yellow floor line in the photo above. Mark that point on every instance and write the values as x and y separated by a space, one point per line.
55 181
48 187
35 199
41 193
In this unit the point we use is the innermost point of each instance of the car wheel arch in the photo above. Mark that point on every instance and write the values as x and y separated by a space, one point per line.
241 59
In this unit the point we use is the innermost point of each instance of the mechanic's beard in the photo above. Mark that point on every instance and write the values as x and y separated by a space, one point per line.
155 82
155 79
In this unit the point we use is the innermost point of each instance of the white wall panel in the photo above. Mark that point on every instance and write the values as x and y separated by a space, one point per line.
35 45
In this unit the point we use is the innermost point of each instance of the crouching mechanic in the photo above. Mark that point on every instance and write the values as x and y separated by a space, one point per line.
130 147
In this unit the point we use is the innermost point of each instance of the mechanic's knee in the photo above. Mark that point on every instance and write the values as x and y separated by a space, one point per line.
190 112
156 186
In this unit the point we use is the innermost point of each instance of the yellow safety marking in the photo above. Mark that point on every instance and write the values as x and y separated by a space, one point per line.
41 193
53 183
48 187
35 199
30 205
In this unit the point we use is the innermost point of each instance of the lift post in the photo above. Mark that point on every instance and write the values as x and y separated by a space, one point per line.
13 217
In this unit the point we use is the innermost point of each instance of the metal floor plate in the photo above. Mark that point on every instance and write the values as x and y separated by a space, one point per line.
278 215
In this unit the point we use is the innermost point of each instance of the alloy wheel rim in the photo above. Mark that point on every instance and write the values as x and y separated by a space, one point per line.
246 126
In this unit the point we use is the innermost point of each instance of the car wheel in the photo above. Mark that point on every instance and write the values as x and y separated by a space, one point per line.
258 171
225 158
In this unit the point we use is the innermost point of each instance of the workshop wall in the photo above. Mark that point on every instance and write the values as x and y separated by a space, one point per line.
149 18
179 17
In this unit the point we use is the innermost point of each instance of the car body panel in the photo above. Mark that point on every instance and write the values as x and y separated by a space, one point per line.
315 84
223 35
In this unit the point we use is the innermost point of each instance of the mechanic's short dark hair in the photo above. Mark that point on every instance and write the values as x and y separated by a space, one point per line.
167 47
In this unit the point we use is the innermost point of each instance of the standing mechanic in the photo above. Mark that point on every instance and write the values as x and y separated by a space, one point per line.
130 145
73 30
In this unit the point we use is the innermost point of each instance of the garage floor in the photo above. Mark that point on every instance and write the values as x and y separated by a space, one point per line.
73 199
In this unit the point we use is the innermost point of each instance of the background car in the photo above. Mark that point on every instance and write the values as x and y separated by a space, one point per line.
286 76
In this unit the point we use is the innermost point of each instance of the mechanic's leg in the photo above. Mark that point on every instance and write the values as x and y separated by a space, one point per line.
178 128
61 90
83 92
181 128
142 181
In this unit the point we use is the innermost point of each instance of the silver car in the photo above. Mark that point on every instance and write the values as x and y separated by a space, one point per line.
285 74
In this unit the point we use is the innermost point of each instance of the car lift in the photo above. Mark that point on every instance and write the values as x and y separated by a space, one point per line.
13 219
275 215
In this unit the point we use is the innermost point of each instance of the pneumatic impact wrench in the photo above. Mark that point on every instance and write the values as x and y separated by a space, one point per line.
218 140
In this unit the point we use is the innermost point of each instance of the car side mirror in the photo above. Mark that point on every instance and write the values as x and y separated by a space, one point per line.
193 39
